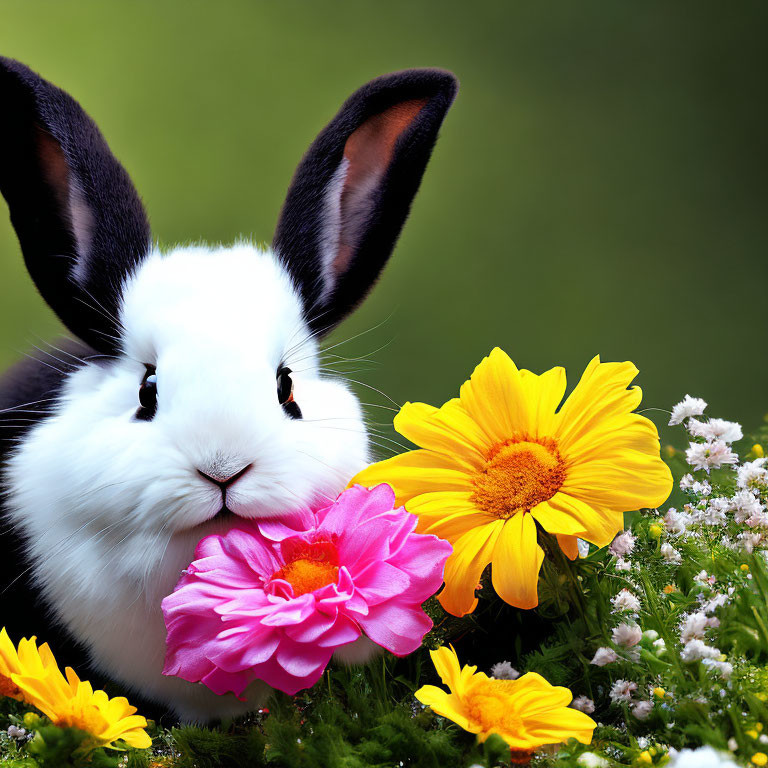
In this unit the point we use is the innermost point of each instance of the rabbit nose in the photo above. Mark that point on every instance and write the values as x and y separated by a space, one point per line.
224 482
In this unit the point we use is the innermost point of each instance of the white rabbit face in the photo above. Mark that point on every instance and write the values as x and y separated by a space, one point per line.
217 325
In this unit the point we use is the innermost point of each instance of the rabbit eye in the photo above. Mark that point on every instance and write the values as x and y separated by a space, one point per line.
148 395
285 393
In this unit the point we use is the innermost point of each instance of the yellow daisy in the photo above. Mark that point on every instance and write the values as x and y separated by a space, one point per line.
32 675
501 459
27 660
527 713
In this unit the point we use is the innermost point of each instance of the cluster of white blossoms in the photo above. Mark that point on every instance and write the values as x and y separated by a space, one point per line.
738 521
711 446
742 518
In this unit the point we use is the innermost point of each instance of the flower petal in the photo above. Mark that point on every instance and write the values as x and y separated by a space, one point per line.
638 481
471 554
416 472
495 397
569 545
447 514
517 559
600 394
447 705
449 430
600 524
556 520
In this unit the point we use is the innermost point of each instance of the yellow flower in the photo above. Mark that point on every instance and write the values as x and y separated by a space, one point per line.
27 660
527 713
760 758
501 459
68 702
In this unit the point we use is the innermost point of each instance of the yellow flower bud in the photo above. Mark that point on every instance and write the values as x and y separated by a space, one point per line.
659 693
752 733
32 720
652 750
760 758
744 567
757 449
759 727
656 531
645 757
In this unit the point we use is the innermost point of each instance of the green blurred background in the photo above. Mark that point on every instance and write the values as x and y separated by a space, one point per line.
599 186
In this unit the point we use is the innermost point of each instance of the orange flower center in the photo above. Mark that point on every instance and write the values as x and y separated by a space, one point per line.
307 575
518 475
9 688
487 702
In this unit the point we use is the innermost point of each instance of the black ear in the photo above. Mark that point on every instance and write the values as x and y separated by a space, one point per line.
79 220
353 189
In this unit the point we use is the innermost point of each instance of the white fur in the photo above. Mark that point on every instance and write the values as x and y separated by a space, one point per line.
112 507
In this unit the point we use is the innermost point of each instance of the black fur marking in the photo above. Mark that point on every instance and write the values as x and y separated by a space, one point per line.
79 220
372 216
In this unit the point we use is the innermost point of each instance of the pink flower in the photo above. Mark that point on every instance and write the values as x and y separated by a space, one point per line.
273 599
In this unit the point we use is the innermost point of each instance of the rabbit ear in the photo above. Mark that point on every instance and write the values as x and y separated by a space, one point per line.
78 218
353 189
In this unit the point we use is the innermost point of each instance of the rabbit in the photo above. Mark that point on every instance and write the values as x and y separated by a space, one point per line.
192 397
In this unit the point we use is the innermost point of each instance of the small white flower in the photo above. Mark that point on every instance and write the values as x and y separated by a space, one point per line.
583 547
702 577
716 429
723 668
622 690
627 635
623 544
16 733
504 671
604 656
641 709
753 475
758 520
677 522
693 626
696 487
651 634
749 540
714 513
714 603
733 745
660 646
622 565
687 407
711 455
625 601
591 760
745 505
670 554
583 704
696 650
